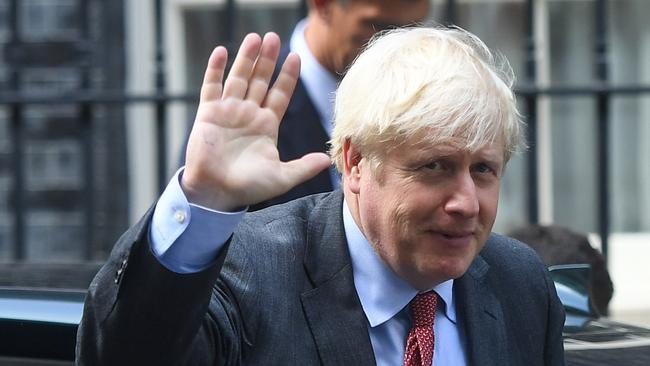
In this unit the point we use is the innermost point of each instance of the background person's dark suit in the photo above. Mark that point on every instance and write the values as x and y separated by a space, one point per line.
285 296
301 132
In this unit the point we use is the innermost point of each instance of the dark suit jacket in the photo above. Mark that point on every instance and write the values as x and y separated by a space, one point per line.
282 293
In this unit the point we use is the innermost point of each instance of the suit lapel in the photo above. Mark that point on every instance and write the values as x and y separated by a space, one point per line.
481 317
332 307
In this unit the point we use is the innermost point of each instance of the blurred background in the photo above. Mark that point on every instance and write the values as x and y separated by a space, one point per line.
96 97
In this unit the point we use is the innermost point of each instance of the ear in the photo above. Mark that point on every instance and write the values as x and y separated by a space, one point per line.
322 7
352 160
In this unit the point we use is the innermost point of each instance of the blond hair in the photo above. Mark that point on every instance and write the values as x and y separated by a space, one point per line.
441 83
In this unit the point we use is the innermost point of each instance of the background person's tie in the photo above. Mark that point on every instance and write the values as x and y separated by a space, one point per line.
419 345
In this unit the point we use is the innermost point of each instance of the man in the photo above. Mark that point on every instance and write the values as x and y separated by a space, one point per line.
397 268
327 41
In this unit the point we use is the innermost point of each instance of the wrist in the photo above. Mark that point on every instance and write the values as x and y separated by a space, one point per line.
208 197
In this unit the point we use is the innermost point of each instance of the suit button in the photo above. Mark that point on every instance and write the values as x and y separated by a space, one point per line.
118 273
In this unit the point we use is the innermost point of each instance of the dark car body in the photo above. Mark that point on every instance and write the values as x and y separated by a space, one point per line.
591 340
38 327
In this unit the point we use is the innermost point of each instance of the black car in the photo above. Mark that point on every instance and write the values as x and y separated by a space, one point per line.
38 327
591 340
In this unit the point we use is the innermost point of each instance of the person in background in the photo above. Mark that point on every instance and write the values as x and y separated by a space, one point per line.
397 267
327 41
561 245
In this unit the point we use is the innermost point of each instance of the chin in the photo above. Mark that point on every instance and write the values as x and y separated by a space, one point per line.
451 269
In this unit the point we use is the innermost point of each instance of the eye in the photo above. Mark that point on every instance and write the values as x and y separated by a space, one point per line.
434 165
483 168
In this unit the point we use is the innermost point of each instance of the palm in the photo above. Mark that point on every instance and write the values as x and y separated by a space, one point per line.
232 158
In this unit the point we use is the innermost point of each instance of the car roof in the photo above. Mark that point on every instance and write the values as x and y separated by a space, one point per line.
63 306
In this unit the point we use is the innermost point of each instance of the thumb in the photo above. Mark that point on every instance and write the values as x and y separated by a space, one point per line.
300 170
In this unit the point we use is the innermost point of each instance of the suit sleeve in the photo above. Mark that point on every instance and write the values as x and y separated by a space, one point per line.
137 312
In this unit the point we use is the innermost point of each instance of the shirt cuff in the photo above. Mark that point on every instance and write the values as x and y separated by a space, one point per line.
185 237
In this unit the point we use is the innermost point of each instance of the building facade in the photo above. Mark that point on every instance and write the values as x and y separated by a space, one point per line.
583 71
63 182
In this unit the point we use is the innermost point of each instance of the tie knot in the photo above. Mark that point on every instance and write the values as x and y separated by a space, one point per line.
423 309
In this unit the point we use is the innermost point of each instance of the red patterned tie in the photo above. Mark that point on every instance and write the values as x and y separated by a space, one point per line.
419 345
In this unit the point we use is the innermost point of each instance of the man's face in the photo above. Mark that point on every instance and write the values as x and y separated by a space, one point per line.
352 24
428 210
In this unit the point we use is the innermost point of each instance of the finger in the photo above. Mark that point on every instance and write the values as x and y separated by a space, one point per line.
213 78
278 97
300 170
237 80
263 70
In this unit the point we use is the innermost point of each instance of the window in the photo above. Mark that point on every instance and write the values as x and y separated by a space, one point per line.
46 19
53 165
50 80
4 20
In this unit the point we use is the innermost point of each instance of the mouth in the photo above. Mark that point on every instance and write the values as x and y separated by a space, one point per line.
455 238
454 233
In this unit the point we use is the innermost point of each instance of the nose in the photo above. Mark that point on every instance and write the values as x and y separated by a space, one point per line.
463 199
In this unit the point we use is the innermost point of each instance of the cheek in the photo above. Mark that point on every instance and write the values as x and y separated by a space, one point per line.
371 206
344 27
416 205
489 202
354 34
406 212
381 210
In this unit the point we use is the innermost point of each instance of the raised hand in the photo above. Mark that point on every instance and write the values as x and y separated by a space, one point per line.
232 159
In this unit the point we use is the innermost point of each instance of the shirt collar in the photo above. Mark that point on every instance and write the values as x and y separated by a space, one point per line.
373 280
318 81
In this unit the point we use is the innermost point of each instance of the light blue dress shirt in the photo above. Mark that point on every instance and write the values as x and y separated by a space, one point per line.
385 297
187 238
